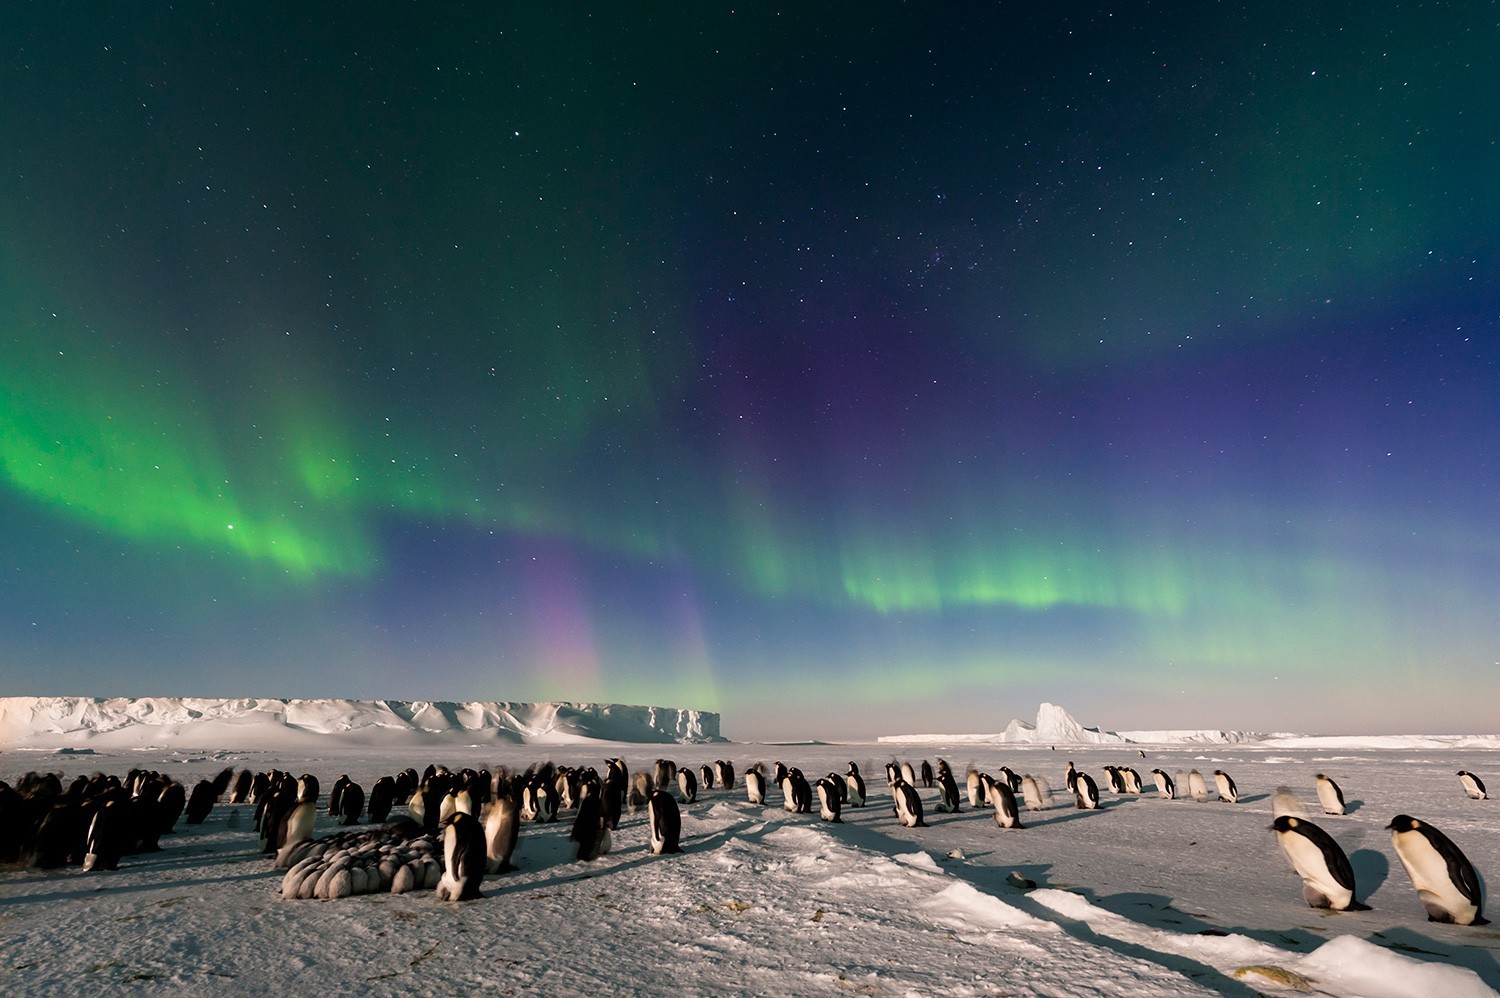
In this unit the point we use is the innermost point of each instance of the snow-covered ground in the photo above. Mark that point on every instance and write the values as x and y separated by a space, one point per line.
1141 897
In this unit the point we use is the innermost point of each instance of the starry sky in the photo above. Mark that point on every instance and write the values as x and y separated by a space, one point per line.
848 371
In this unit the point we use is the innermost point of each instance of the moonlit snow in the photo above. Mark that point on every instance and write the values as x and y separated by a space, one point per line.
1141 897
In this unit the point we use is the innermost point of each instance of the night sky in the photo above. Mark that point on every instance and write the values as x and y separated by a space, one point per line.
846 369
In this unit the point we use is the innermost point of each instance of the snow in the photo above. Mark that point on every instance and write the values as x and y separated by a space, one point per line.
58 722
1055 726
1141 897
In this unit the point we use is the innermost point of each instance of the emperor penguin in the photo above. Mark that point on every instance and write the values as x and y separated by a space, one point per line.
307 787
590 835
1031 791
382 797
856 786
1085 792
1116 779
908 805
105 841
755 785
1165 788
1228 792
640 791
336 794
1327 877
1330 796
910 776
927 778
200 802
1473 785
666 772
947 792
976 786
502 828
1443 876
1071 778
463 858
724 774
664 824
797 792
1011 777
830 800
242 784
706 776
351 803
687 784
1197 788
1132 780
778 773
1003 800
299 827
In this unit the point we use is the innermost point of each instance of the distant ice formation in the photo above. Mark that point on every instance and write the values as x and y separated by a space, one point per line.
249 722
1055 726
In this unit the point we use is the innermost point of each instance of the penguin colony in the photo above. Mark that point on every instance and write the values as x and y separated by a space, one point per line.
460 827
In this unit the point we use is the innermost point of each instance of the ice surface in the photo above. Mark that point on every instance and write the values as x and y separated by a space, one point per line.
1141 897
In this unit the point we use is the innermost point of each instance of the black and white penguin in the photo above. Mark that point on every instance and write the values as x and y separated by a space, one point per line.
1166 789
106 838
665 774
1033 793
463 858
1003 800
1085 791
336 794
241 792
200 803
1197 786
590 837
778 773
908 804
1327 877
687 784
907 773
640 791
797 792
1012 778
382 797
947 789
1473 785
755 785
830 800
1071 778
298 827
664 824
855 786
1443 876
1132 780
975 784
927 777
502 828
706 776
351 803
307 787
1116 779
1228 792
724 774
1330 796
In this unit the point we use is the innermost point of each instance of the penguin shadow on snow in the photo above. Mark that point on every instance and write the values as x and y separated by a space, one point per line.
94 887
1412 943
1371 867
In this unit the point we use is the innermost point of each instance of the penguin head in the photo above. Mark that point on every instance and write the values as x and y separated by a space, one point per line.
1285 823
1404 823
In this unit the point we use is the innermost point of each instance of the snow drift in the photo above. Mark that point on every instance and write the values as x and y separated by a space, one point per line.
253 722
